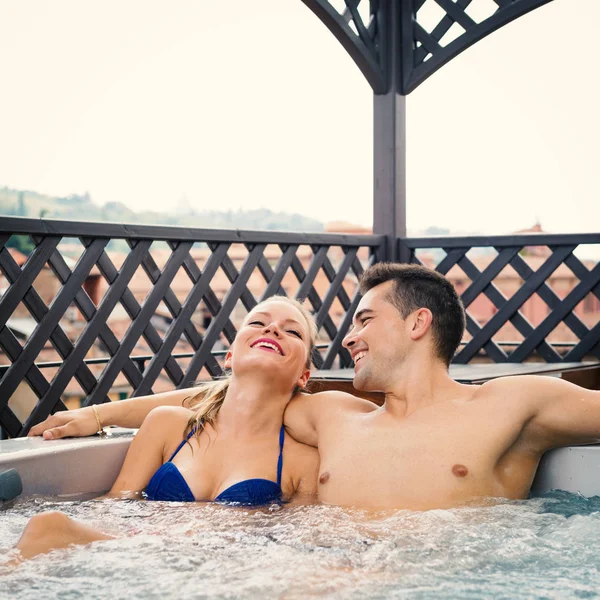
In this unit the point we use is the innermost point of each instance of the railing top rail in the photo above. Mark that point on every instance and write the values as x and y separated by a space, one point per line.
26 226
528 239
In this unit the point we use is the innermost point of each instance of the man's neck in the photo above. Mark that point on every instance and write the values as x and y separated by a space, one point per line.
418 385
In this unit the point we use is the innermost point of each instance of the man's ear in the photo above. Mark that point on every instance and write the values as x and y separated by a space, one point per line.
303 379
228 358
421 321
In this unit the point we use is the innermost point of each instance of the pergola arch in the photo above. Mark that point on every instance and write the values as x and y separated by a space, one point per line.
397 52
421 53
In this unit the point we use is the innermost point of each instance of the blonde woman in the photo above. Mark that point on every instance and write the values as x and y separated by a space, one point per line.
230 447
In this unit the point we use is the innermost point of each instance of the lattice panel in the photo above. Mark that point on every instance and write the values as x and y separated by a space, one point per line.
110 310
525 296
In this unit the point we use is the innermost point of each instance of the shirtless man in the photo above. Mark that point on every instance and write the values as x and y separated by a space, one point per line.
435 443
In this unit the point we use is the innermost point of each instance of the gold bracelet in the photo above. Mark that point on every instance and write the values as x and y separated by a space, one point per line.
100 431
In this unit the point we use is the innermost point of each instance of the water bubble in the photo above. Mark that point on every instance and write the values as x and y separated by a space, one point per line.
538 548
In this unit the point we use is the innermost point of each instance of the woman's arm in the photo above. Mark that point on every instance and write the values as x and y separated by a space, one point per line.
160 431
303 462
124 413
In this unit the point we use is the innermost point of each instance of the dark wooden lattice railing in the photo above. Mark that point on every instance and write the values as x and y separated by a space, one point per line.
542 275
100 309
163 337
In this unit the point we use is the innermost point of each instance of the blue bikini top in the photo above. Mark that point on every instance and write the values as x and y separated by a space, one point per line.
168 484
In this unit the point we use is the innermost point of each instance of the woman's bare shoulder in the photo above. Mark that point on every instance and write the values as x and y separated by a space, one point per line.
165 426
167 417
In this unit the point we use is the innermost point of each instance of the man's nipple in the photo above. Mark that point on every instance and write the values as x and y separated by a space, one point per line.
460 470
324 478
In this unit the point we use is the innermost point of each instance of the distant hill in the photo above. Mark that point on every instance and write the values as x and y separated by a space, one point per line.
25 203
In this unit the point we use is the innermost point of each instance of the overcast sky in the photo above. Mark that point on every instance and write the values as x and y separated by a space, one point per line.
253 103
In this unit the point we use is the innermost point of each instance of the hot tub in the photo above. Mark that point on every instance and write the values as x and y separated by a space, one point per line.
90 465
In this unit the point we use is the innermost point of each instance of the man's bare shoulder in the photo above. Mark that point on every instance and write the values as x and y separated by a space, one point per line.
334 400
518 382
308 414
525 390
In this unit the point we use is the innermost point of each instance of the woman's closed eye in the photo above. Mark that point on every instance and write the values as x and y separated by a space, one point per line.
259 323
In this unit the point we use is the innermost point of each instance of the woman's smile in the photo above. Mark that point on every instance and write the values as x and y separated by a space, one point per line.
268 345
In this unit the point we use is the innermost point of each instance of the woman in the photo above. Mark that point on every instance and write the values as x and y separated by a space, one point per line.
233 447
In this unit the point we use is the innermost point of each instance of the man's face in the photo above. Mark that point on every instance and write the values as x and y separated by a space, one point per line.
377 340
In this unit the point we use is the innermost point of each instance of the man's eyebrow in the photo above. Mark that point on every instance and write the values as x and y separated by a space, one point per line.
362 313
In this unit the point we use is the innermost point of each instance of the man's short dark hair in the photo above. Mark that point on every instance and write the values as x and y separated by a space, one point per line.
419 287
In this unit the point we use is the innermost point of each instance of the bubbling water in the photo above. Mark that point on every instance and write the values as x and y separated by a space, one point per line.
539 548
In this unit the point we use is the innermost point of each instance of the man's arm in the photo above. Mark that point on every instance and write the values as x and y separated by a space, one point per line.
307 414
123 413
562 413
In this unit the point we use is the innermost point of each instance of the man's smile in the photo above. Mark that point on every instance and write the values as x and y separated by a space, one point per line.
358 356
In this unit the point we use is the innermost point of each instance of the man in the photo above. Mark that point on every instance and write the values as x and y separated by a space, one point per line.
434 443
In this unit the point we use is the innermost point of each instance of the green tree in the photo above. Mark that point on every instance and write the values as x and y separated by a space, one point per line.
22 243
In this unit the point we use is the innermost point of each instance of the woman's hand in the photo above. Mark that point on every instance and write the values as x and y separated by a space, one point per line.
124 413
67 423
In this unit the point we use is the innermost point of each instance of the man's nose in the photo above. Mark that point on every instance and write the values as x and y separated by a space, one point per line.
348 340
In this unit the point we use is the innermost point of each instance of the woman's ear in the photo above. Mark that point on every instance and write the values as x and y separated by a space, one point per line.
228 358
303 379
421 323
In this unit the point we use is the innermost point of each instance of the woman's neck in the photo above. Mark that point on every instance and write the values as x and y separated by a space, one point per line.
251 407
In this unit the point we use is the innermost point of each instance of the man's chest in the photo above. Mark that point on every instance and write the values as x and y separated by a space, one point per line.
423 463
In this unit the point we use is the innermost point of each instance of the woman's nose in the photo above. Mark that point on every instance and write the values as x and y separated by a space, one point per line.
272 328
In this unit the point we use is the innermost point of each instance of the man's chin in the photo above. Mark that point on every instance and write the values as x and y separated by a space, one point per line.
363 383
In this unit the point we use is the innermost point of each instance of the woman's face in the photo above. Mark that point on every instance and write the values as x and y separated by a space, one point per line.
273 339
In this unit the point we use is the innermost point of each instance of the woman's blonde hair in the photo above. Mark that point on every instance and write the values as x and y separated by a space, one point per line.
207 402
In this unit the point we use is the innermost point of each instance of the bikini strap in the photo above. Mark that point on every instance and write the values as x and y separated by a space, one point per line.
280 460
190 434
